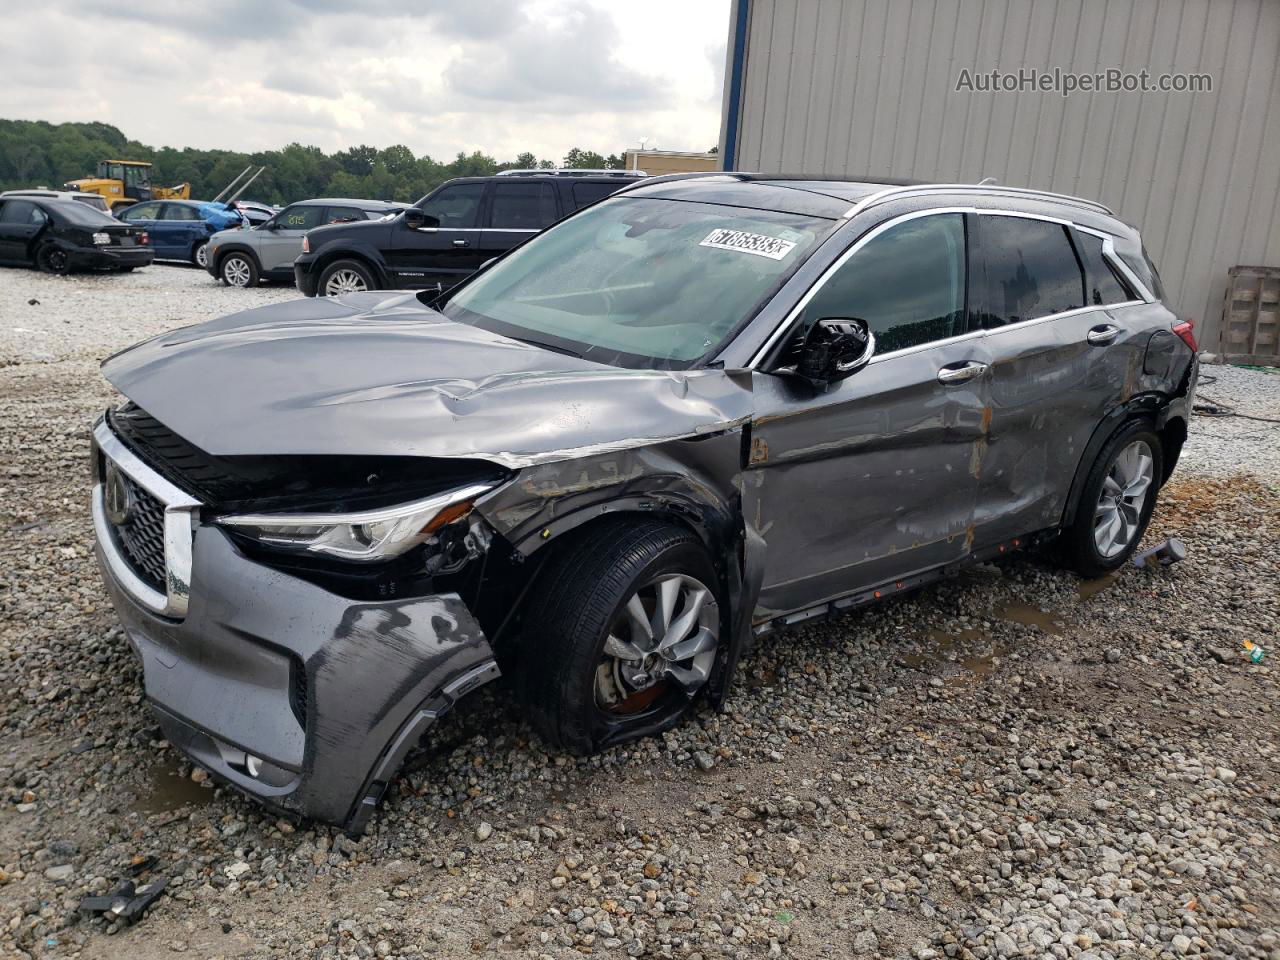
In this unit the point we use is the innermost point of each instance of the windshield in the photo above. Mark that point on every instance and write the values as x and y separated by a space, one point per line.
639 282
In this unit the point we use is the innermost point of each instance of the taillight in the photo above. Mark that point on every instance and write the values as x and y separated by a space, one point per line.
306 245
144 238
1186 332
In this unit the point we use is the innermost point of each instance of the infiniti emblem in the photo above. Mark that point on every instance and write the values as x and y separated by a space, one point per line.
117 500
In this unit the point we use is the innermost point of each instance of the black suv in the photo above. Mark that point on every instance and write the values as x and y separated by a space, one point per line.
448 234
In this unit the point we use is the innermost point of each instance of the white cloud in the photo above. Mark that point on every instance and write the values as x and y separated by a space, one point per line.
500 76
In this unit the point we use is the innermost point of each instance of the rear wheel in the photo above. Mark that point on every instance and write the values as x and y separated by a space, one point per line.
1116 503
53 259
621 636
345 276
200 255
238 270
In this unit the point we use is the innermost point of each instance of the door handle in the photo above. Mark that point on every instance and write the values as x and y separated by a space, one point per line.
962 373
1103 334
461 243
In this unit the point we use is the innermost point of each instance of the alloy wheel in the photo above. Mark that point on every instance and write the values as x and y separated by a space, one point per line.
662 641
344 281
236 272
1118 514
202 255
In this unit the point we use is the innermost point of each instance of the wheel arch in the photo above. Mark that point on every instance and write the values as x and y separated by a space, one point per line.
345 250
228 250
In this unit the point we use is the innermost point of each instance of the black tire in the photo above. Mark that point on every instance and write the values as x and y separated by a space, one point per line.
227 269
199 250
51 258
124 269
339 267
1080 549
576 601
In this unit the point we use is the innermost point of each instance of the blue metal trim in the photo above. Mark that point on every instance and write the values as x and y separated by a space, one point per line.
736 68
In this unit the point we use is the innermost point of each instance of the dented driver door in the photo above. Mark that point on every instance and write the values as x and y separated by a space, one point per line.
875 477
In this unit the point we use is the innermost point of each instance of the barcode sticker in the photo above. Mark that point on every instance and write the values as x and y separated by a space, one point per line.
743 242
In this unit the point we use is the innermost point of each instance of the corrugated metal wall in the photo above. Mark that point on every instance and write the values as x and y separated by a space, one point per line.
869 86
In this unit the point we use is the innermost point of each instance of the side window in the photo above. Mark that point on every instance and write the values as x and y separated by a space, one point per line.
343 214
587 193
300 217
522 206
455 206
142 211
908 284
20 211
1031 270
176 211
1102 284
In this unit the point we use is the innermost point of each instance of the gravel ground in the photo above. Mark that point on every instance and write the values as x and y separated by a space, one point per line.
1012 764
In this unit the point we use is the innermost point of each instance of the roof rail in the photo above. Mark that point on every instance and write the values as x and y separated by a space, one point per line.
572 172
668 177
895 193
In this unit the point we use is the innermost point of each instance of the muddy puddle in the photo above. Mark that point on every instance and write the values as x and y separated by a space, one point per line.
166 789
1029 616
973 651
1091 588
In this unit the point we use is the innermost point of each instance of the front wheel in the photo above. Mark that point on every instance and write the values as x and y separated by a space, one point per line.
200 255
238 270
621 636
53 259
345 276
1116 503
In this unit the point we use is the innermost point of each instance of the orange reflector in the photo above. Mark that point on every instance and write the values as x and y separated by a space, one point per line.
448 515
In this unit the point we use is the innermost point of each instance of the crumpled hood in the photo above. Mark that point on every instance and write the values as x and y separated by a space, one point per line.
380 374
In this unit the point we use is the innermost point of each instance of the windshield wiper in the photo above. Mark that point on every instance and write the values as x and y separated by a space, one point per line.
545 346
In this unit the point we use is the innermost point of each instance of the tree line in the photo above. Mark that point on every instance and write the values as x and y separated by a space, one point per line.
37 153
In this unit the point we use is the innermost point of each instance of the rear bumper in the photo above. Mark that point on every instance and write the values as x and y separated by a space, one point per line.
302 699
99 257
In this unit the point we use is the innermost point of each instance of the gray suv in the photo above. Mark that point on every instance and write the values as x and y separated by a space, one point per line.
240 258
701 410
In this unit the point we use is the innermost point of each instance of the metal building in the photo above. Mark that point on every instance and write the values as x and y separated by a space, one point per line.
879 87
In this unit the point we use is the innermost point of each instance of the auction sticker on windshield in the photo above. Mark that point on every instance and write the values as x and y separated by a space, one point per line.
740 240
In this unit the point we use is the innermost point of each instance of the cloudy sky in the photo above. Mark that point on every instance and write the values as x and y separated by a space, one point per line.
500 76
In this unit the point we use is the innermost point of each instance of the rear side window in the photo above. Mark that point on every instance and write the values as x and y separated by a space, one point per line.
908 284
522 206
457 206
143 211
21 211
343 215
1102 283
1146 271
1031 270
588 193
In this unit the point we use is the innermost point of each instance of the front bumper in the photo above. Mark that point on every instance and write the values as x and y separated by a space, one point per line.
300 698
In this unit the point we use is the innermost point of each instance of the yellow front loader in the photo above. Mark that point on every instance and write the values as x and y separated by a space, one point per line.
126 182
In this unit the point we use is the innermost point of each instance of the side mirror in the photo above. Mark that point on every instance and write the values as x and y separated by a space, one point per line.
415 219
835 348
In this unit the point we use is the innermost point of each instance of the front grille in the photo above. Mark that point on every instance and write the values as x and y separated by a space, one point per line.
141 536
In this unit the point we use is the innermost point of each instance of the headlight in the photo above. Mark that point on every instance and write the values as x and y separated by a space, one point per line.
364 537
102 239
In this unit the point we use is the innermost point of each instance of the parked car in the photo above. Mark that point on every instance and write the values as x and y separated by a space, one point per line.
255 213
180 229
60 235
97 201
449 233
239 258
696 412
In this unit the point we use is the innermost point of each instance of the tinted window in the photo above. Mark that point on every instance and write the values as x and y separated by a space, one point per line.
142 211
300 217
176 211
343 214
1031 268
456 206
586 193
908 284
523 206
1146 272
21 211
98 203
1102 284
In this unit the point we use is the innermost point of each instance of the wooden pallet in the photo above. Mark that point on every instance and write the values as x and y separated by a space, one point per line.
1251 316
